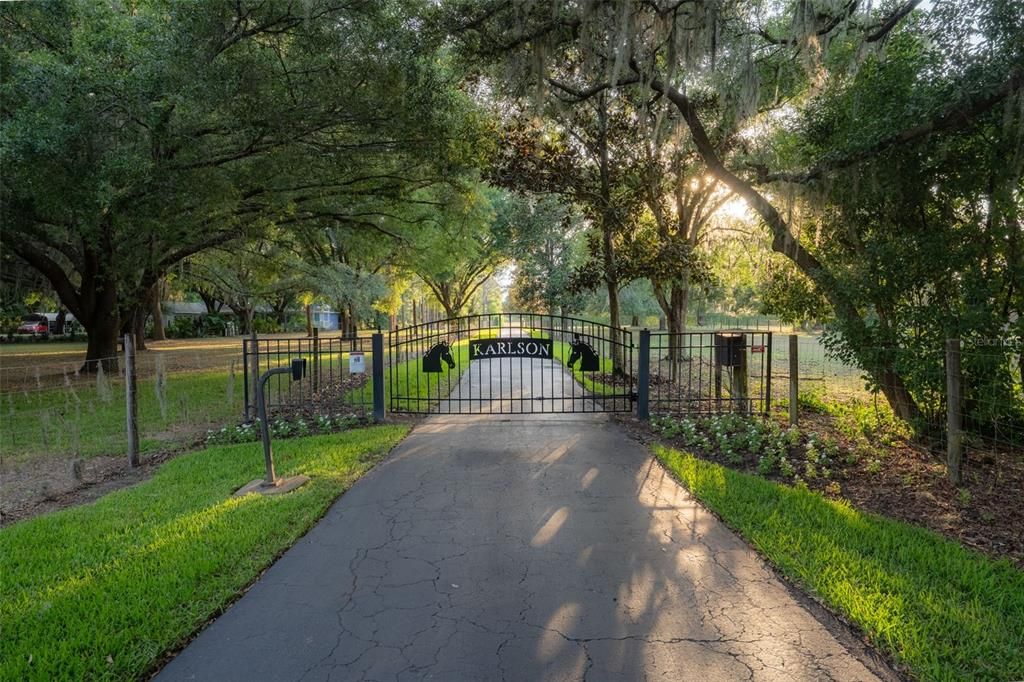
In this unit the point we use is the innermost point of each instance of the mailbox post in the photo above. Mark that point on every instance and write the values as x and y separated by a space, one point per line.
271 484
731 352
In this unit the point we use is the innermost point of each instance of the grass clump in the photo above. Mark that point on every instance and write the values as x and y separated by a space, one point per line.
944 612
103 590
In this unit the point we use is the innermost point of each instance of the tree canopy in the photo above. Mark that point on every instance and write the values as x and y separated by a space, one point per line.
351 152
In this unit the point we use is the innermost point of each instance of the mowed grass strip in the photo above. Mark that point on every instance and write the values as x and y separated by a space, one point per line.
102 591
943 611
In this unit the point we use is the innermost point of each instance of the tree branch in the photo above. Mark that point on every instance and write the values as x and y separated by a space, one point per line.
890 23
956 116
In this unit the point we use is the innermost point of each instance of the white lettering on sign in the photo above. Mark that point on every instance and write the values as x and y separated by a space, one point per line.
357 362
509 348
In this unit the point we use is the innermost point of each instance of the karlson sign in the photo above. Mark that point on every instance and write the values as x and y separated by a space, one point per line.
509 347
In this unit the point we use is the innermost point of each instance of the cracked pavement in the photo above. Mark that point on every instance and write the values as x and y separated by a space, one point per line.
528 548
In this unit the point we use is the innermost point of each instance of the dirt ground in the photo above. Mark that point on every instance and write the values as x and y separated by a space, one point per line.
42 486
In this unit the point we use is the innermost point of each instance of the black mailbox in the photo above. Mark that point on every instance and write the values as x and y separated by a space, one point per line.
298 368
730 348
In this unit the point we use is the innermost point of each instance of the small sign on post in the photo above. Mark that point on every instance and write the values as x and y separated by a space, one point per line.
357 362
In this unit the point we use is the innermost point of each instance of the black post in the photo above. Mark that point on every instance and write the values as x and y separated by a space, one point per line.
377 348
245 379
644 369
270 478
254 346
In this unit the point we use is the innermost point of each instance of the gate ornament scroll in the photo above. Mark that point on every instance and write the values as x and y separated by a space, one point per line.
434 356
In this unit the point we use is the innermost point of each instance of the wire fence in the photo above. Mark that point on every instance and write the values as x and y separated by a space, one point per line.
987 388
54 409
49 407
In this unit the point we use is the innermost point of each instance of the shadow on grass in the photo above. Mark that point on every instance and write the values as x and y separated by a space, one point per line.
103 590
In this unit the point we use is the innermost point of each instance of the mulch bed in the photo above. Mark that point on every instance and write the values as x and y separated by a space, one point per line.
986 513
46 485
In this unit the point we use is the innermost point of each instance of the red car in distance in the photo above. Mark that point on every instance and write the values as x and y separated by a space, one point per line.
36 325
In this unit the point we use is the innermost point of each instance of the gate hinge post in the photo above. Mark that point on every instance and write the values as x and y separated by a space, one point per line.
377 350
644 380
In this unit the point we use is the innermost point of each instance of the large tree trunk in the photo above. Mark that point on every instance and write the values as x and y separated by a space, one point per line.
139 327
674 304
99 316
102 331
618 368
342 317
678 300
102 346
157 312
899 398
280 308
133 321
244 313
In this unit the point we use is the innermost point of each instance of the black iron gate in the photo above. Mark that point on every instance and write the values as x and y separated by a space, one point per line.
510 363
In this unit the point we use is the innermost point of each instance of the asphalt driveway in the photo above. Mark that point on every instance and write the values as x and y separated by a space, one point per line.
529 548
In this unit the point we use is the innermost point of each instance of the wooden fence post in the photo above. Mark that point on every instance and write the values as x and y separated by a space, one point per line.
131 401
794 379
954 430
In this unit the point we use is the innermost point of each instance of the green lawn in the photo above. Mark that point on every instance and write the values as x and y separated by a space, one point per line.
103 590
945 612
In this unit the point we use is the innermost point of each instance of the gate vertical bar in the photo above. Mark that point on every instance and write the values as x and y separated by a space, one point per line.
794 380
644 370
377 349
254 344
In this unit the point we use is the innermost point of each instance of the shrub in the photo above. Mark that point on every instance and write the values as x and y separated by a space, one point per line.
183 327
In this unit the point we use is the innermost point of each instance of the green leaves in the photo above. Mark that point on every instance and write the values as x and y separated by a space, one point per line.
154 131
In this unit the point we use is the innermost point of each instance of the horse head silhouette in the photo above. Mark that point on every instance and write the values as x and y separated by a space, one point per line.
583 351
432 359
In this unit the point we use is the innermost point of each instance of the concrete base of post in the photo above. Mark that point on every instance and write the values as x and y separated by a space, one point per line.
280 487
